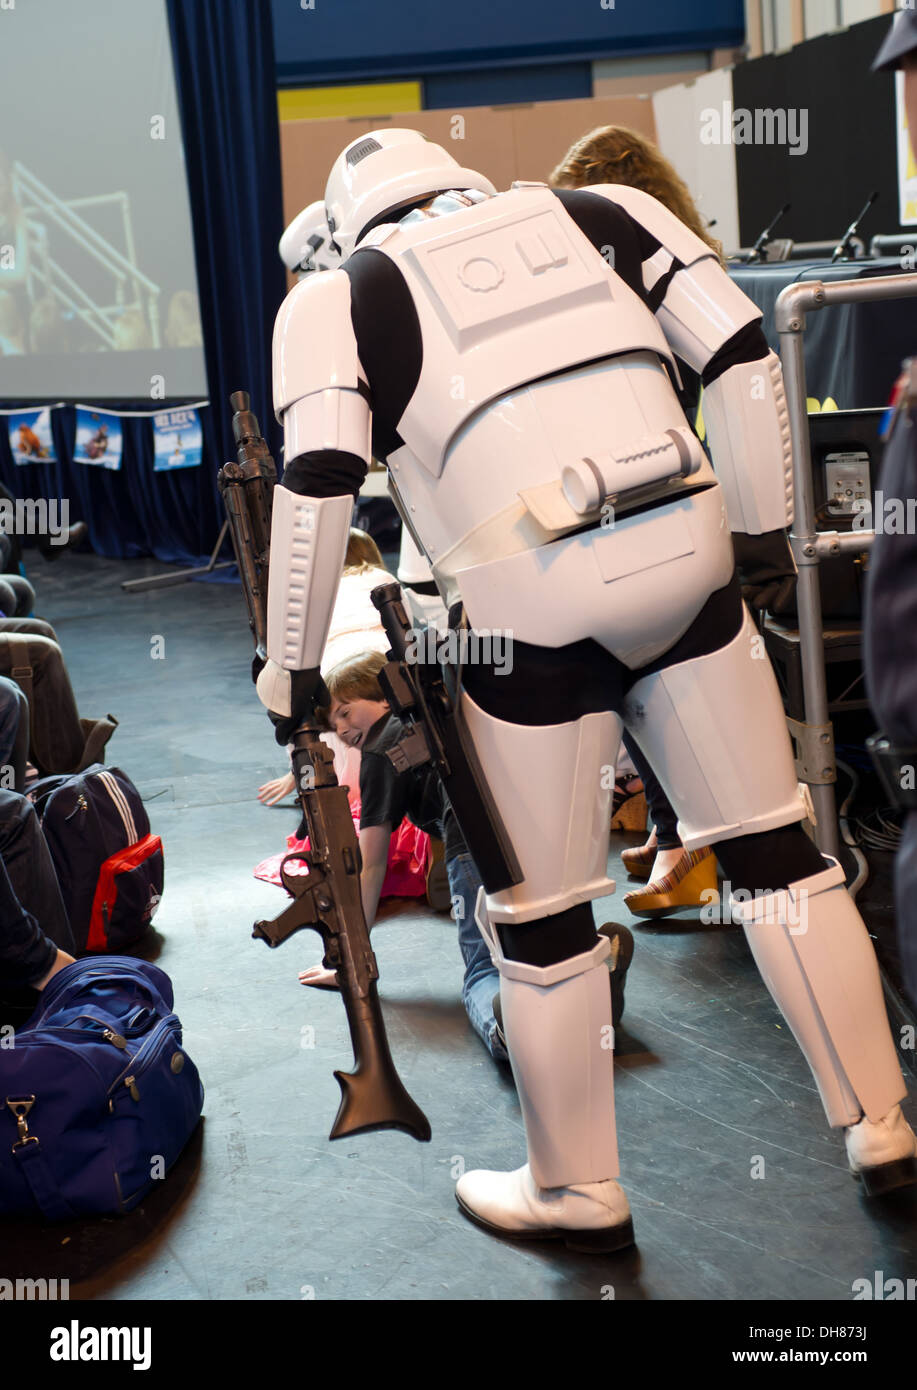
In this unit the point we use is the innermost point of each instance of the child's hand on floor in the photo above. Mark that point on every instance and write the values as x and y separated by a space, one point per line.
318 977
275 791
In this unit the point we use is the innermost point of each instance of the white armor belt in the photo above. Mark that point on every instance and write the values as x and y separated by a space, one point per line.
652 468
641 467
539 516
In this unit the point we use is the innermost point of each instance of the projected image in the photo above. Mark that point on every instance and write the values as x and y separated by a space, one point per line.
98 291
67 288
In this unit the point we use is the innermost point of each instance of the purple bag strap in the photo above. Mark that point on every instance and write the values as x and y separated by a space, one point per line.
41 1181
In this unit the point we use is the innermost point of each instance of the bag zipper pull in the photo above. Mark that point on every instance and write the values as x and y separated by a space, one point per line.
81 805
114 1038
131 1084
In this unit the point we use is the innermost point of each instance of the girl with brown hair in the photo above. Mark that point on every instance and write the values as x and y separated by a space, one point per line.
617 154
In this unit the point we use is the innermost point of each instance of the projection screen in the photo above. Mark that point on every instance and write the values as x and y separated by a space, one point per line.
98 291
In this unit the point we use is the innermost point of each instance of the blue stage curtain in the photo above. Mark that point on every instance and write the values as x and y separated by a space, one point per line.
175 515
223 51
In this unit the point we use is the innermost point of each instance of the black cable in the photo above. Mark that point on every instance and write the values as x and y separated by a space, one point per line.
880 829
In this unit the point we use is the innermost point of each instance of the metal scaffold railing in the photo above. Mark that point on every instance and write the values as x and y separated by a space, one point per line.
46 275
815 735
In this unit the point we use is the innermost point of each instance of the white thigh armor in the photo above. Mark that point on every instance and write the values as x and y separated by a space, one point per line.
714 731
555 803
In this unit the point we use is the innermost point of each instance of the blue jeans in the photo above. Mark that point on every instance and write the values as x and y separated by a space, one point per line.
482 981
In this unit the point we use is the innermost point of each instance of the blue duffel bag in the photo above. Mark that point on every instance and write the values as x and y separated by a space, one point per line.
97 1094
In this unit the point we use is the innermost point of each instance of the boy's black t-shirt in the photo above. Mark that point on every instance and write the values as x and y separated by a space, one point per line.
387 796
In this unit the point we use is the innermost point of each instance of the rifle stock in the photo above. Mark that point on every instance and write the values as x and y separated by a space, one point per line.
327 899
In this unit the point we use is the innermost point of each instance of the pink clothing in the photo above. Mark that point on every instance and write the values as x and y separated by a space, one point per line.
406 871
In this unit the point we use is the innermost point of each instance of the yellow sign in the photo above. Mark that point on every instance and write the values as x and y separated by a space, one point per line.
366 99
813 407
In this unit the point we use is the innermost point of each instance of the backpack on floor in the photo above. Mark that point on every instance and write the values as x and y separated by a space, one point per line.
109 866
97 1094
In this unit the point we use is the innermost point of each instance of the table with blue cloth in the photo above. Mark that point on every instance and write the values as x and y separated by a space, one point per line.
853 352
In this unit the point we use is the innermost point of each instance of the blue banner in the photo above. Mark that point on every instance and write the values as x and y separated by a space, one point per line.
177 439
98 438
30 436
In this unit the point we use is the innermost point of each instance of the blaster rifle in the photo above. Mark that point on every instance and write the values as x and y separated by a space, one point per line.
327 899
417 692
247 489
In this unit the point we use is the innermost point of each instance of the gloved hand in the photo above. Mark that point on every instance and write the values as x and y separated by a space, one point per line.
290 697
767 570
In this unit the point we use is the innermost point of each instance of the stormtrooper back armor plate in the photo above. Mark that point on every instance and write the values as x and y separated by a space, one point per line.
497 287
508 441
537 393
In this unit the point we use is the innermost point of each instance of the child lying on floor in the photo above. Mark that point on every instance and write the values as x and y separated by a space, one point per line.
360 716
356 629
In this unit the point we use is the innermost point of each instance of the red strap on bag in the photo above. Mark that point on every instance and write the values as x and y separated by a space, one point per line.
107 889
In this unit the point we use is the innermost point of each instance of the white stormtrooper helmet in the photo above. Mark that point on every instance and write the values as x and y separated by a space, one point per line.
306 244
384 172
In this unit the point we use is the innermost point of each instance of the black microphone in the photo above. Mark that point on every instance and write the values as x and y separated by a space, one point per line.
843 248
764 238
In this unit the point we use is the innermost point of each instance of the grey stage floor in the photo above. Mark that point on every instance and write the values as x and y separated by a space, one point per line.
711 1088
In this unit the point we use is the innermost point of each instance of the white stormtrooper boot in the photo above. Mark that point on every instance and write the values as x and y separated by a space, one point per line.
560 1038
817 960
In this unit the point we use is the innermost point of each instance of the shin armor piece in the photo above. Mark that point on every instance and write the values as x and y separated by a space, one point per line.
560 1038
816 958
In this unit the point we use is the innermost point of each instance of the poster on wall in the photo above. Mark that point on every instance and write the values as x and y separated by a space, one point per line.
98 438
30 436
177 439
907 166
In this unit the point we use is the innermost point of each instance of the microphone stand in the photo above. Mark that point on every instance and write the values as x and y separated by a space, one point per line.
758 249
842 249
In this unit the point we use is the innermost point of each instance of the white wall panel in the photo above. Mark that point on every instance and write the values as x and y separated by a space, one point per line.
853 11
783 13
821 17
708 170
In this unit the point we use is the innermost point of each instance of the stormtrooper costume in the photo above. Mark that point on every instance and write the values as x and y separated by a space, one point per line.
511 357
305 246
